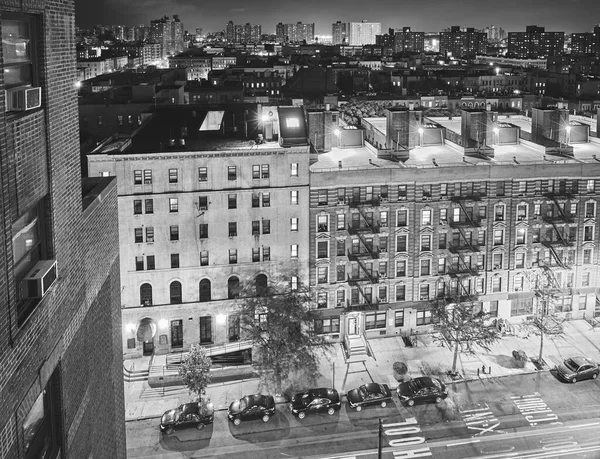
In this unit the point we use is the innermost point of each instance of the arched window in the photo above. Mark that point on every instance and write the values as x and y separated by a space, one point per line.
175 292
233 288
261 285
146 295
204 290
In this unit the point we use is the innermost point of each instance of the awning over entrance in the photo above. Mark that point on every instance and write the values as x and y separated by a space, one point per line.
146 329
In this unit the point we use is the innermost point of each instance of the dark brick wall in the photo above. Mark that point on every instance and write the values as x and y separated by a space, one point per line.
74 331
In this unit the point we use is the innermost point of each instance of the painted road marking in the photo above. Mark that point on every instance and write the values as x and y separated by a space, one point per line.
481 420
534 409
403 429
466 442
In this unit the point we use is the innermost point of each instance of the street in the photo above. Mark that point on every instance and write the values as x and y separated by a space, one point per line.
526 416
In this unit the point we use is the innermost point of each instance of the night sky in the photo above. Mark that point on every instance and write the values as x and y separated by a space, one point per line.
421 15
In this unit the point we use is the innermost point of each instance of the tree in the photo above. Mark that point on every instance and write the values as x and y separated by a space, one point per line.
195 371
462 324
280 323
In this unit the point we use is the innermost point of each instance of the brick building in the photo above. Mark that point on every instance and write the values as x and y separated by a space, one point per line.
61 377
205 210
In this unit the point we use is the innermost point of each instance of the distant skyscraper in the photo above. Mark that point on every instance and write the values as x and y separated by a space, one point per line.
586 42
230 32
363 33
169 33
407 41
246 33
535 43
495 34
295 33
463 42
339 34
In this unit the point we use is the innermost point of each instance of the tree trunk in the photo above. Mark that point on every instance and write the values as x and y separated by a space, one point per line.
542 325
277 379
455 358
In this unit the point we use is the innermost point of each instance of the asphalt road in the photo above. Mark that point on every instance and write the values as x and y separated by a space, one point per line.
533 416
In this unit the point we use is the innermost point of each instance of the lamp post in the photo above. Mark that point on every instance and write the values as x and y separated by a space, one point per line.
496 135
420 131
338 134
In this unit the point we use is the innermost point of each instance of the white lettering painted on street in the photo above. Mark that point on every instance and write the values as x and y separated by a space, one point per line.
558 442
534 409
481 420
407 427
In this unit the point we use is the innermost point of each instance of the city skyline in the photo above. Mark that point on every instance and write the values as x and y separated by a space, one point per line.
570 16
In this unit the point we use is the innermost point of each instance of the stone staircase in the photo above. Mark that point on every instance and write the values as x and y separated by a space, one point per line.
356 346
133 375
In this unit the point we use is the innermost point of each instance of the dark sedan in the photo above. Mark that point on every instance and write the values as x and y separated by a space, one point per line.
369 394
315 401
251 407
422 390
196 414
577 368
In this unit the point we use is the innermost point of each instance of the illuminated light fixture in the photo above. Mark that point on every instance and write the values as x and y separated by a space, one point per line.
292 123
264 118
496 130
568 128
221 319
336 132
163 323
78 84
420 130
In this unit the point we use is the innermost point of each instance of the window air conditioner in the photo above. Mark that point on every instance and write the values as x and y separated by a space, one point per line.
21 99
37 281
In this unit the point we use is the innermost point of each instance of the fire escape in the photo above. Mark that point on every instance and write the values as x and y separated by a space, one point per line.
462 268
554 218
364 228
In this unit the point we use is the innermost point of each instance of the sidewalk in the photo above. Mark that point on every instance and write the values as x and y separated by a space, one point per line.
427 358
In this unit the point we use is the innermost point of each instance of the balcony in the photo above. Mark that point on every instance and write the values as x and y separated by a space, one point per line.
474 222
560 218
366 228
364 306
364 278
461 271
354 203
367 254
471 196
463 247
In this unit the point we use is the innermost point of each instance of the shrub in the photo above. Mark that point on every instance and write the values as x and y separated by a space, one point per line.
519 358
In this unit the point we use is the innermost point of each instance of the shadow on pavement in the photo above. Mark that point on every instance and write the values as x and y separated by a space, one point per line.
368 417
187 439
322 424
505 361
276 428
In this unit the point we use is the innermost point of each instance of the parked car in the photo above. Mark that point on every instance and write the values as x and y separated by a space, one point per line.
196 414
369 394
251 407
577 368
422 390
315 401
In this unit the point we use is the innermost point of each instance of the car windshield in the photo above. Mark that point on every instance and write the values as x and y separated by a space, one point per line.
306 398
178 413
571 365
364 393
437 384
381 389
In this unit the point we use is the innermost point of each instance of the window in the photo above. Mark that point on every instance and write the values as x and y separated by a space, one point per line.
426 243
173 176
203 174
498 237
521 307
232 229
149 234
382 294
402 217
233 256
424 317
294 224
146 295
255 171
441 266
174 233
400 292
499 188
294 251
399 318
587 256
582 302
204 258
203 227
424 292
588 233
519 283
322 198
341 221
321 300
340 273
426 217
401 192
322 277
175 292
522 212
442 240
266 199
322 249
443 189
401 243
137 206
294 169
499 213
255 254
266 226
400 268
266 253
383 244
293 283
482 211
232 201
425 267
493 308
294 197
139 263
149 203
206 329
18 51
255 200
374 321
323 326
443 216
426 191
137 177
521 235
590 209
264 171
585 279
590 186
174 260
138 235
496 284
231 173
204 291
497 260
173 205
519 260
147 177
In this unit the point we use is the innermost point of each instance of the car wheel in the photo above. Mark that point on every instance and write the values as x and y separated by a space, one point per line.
265 418
595 375
358 408
237 421
301 415
438 399
330 411
200 426
168 430
410 402
573 380
383 404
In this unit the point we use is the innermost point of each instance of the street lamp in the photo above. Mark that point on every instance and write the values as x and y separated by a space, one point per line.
338 134
496 136
420 131
568 129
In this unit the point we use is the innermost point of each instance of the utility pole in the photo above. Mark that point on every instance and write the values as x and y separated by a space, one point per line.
379 444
